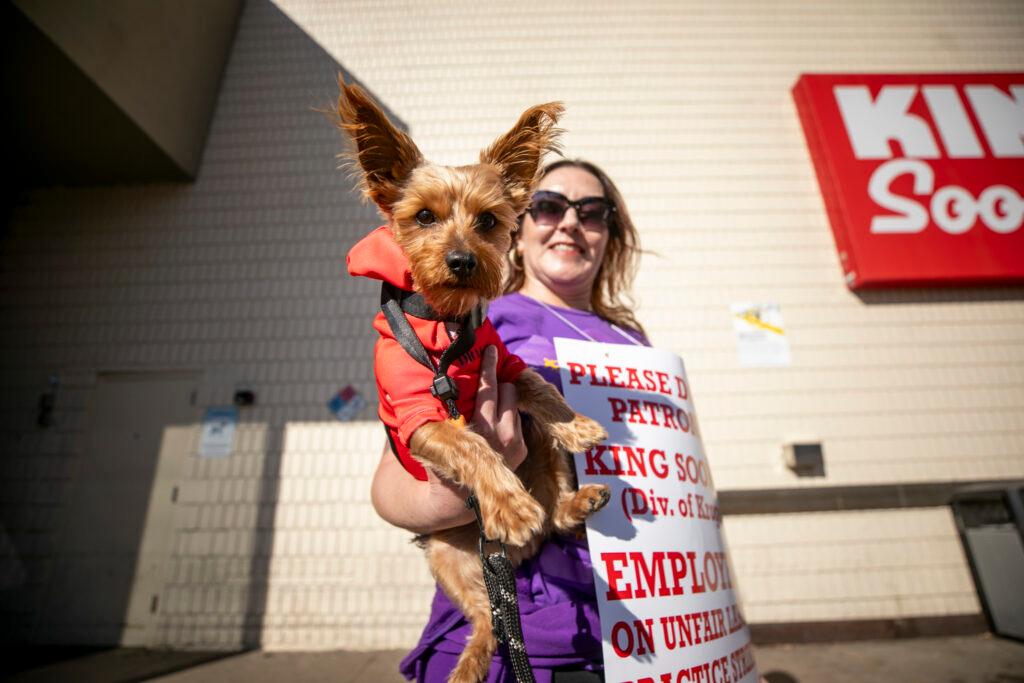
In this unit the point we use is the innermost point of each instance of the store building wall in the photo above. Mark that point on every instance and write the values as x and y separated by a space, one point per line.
238 278
688 107
237 282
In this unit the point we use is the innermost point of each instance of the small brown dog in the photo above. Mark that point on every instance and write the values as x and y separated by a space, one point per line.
453 226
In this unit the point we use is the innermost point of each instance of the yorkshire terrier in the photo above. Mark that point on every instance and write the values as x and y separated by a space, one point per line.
447 235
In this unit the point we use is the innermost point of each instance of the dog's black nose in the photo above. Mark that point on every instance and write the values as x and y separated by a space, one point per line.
461 263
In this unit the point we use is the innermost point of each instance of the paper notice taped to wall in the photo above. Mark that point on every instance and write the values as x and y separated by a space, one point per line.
760 335
218 433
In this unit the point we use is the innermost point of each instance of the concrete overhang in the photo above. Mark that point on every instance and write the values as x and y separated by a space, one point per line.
112 91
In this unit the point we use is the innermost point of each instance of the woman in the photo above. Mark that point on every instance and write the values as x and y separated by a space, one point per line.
573 258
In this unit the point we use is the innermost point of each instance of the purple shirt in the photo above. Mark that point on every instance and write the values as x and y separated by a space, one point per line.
557 601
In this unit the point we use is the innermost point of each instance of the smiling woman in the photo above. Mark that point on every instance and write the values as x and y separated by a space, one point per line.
560 252
584 262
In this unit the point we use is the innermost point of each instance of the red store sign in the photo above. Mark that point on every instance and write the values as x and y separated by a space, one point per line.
922 175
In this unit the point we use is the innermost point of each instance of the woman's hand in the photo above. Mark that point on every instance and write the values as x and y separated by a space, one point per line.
427 506
496 417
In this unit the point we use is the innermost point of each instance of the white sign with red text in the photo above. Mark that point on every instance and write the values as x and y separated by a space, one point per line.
664 586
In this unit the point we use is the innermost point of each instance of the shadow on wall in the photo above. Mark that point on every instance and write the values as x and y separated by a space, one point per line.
237 279
939 295
345 215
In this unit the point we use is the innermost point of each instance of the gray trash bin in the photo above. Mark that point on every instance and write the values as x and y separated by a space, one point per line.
990 520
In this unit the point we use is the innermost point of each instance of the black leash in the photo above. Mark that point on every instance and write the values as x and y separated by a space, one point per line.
500 579
499 574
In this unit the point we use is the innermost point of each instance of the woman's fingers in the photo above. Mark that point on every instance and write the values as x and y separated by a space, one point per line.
508 417
496 416
485 412
509 428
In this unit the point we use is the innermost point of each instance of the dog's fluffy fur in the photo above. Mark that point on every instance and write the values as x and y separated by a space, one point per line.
518 508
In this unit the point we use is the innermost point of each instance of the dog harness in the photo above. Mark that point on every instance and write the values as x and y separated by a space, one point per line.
422 374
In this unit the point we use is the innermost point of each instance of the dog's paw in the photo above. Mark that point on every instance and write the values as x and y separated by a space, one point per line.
515 520
574 508
580 435
594 497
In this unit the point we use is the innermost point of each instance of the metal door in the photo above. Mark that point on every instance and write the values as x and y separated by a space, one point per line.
108 579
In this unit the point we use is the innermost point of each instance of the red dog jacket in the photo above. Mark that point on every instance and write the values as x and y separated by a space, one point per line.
403 385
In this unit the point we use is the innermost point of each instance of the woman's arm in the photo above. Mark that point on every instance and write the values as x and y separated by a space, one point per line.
427 506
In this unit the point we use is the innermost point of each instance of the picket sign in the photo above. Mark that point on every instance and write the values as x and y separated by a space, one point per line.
665 590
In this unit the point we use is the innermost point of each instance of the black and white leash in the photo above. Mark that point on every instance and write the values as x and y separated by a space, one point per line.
500 579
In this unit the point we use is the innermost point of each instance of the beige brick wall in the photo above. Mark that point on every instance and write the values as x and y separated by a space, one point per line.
834 566
687 105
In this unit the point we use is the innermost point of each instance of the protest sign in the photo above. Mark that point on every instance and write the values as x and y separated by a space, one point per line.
664 586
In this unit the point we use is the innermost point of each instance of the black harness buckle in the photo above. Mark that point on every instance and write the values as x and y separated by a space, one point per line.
444 388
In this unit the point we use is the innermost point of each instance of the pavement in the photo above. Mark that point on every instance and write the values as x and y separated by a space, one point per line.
962 659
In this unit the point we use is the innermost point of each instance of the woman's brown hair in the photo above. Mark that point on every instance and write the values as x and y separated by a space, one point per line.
614 278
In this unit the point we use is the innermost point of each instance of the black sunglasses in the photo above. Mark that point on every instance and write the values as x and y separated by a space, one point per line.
547 208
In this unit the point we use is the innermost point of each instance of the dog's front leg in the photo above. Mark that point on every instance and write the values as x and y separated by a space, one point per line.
573 432
510 514
549 474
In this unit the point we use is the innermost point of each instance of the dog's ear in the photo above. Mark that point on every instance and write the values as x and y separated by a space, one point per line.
518 153
386 155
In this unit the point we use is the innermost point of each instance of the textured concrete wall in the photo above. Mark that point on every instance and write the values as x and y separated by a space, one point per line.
687 105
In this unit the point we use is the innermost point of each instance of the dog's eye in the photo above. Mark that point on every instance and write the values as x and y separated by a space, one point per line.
426 217
486 221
